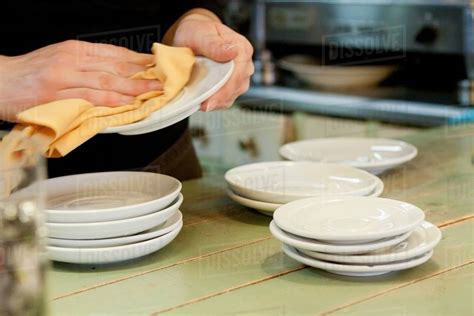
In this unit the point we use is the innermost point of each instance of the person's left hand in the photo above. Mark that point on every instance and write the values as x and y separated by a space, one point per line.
214 40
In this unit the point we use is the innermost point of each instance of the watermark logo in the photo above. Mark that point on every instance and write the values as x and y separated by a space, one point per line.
240 261
376 44
266 115
139 39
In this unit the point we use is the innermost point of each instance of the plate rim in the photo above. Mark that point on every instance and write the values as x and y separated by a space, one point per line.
360 236
175 119
271 207
122 249
176 224
383 258
176 205
268 207
283 151
115 209
346 249
328 266
230 182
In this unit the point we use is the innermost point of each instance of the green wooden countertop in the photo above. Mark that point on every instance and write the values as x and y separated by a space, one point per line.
225 260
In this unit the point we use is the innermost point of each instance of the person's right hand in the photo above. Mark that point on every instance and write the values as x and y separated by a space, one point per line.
98 73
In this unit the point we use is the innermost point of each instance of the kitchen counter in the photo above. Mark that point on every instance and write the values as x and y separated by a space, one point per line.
225 260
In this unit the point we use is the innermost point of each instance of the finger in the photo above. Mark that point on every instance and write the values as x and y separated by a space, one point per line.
216 49
108 51
107 82
237 85
242 45
214 104
121 69
96 97
212 46
222 99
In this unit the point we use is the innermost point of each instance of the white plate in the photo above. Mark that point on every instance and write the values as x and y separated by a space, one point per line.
353 269
111 254
317 245
372 154
112 229
349 219
206 79
423 239
286 181
108 196
171 224
267 208
168 122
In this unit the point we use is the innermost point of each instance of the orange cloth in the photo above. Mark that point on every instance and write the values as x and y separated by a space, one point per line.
61 126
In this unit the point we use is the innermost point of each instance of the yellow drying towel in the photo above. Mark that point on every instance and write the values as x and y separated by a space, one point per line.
61 126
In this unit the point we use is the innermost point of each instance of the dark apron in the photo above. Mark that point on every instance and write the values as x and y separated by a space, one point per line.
179 161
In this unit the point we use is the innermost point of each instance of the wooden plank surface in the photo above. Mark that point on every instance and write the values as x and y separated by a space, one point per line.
310 291
423 298
225 260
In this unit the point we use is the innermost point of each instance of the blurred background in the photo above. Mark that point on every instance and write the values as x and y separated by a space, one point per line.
337 67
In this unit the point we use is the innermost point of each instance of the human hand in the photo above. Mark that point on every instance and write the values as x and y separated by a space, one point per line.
98 73
210 38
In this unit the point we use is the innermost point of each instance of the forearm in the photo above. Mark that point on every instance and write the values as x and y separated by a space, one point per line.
4 96
197 13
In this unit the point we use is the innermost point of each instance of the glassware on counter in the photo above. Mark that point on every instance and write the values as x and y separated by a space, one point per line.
22 233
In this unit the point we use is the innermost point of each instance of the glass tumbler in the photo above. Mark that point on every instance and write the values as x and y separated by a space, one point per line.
22 232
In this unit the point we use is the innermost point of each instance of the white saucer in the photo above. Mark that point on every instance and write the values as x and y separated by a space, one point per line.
112 229
268 208
372 154
423 239
286 181
317 245
348 219
111 254
207 78
107 196
353 269
171 224
379 187
166 123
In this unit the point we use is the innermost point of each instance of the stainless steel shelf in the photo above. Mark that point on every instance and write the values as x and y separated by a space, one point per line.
396 111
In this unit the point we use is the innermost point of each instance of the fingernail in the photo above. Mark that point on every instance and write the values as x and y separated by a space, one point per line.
211 105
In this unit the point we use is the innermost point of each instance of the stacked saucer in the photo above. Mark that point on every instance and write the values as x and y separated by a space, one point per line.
266 186
108 217
375 155
355 236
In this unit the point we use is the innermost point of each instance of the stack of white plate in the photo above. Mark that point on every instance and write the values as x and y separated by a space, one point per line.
266 186
355 236
110 217
375 155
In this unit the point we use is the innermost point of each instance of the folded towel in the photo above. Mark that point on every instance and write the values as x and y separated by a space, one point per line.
61 126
